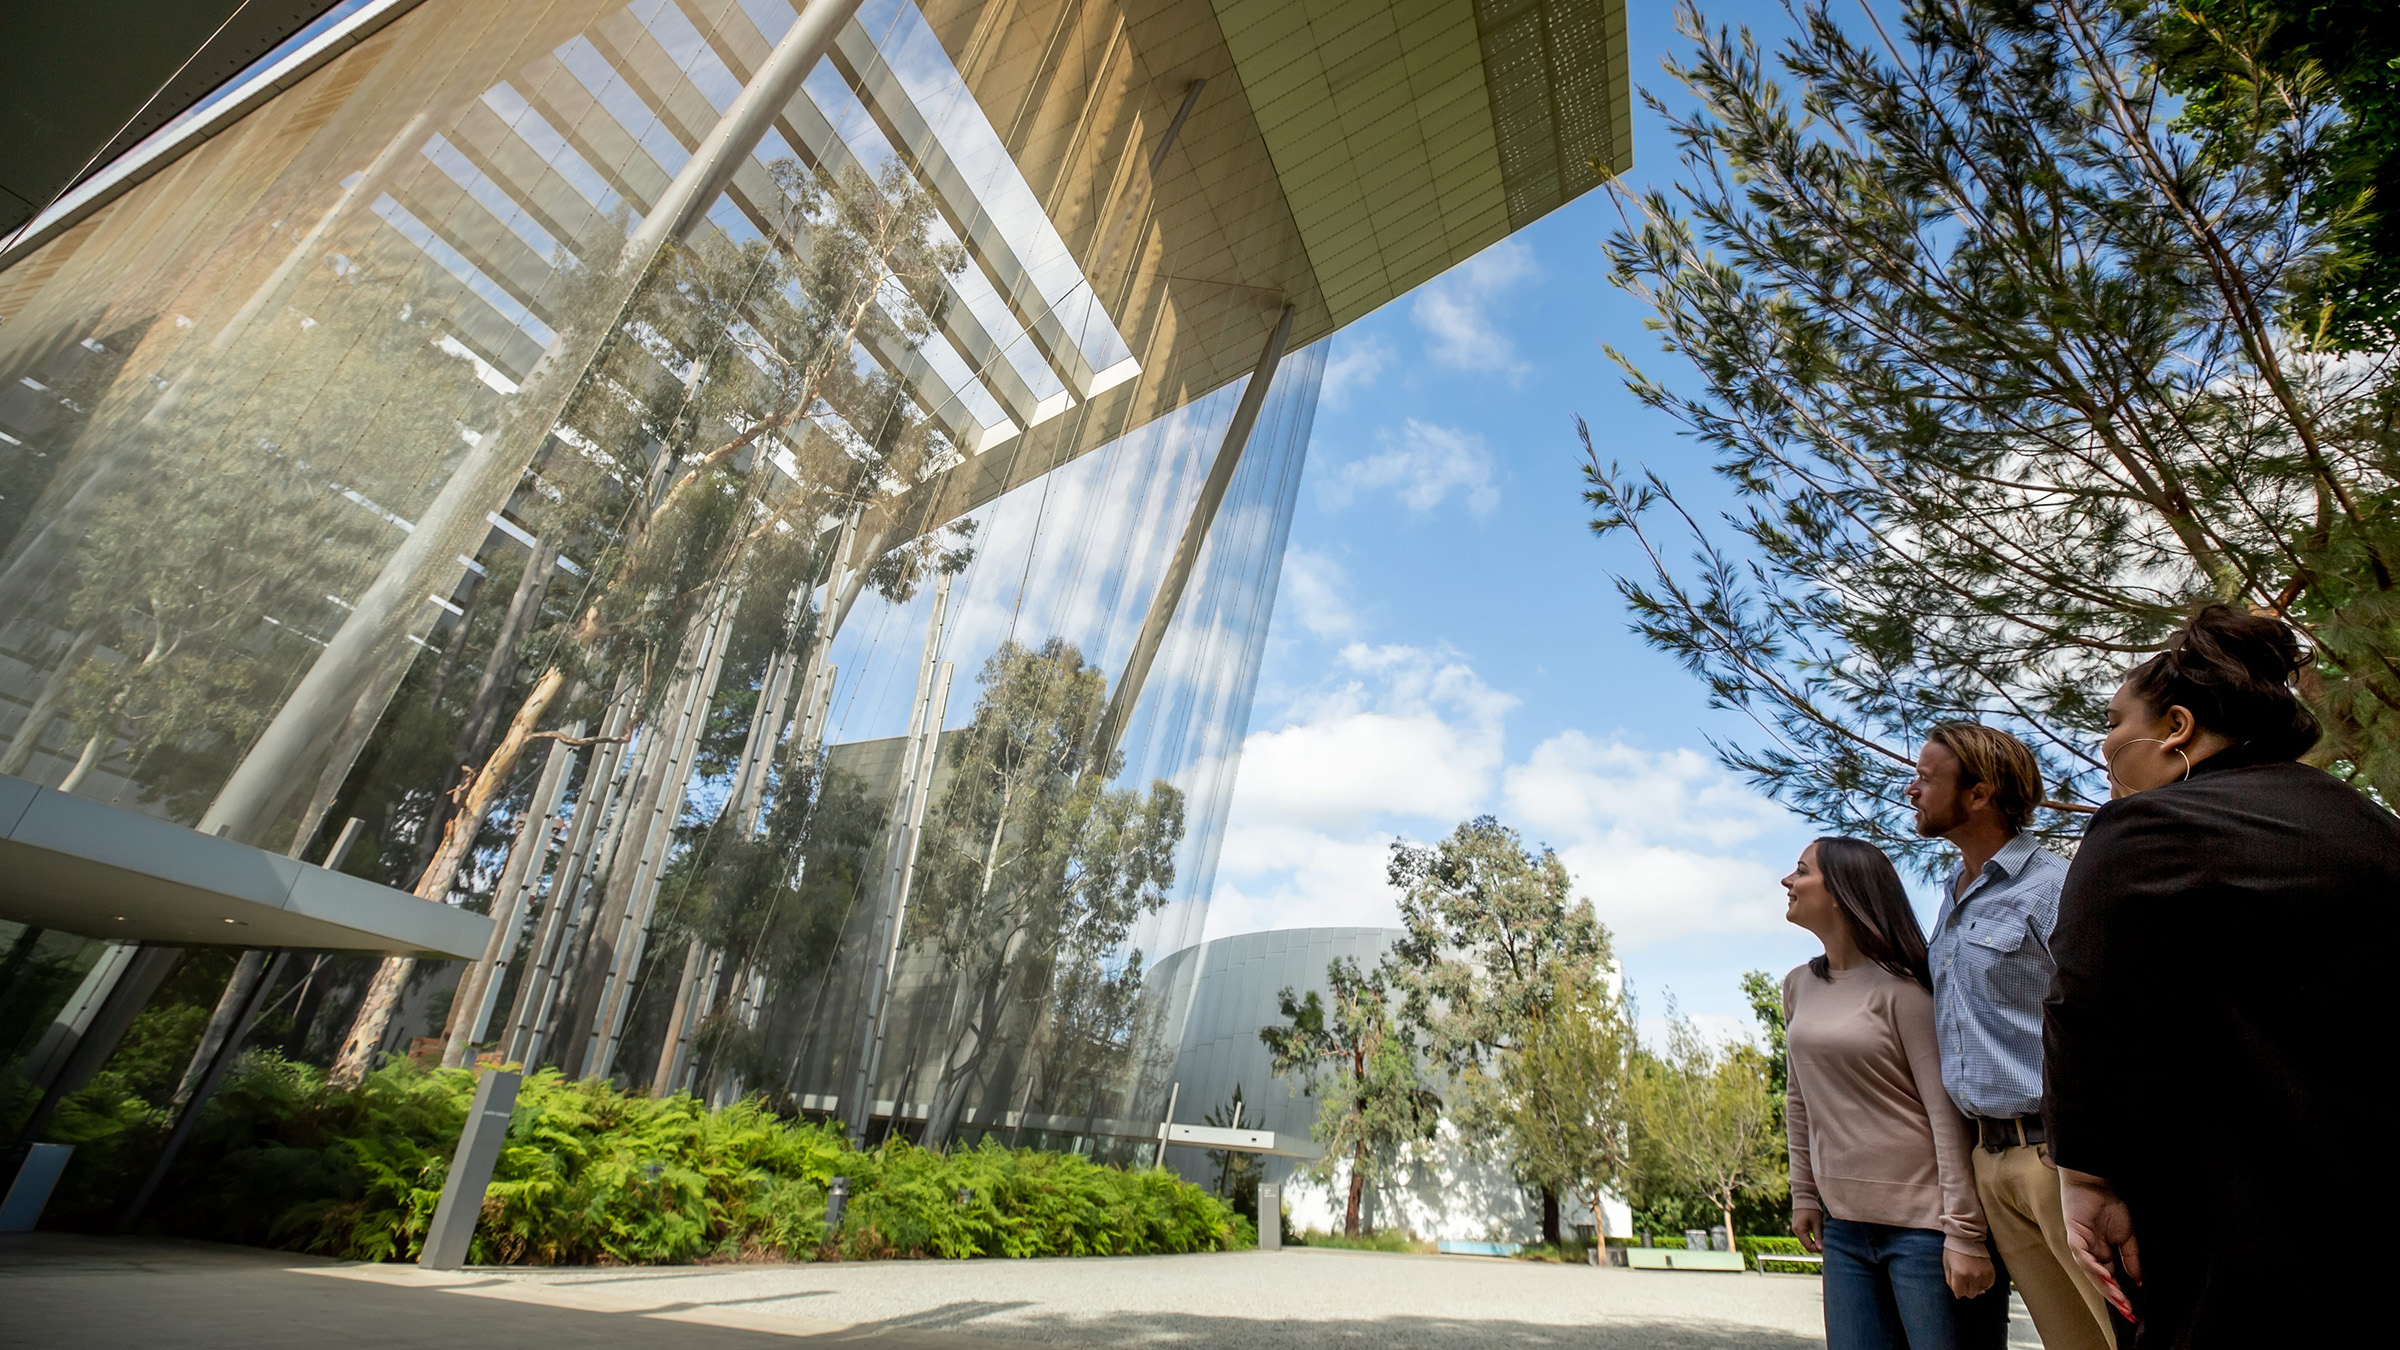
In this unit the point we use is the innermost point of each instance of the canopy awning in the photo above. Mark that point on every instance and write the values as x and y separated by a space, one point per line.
81 866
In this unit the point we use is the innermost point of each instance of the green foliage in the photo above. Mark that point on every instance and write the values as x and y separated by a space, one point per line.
590 1174
1765 995
1705 1124
1562 1099
1660 1209
1372 1100
1761 1251
1490 925
1375 1240
1032 876
2231 61
1999 364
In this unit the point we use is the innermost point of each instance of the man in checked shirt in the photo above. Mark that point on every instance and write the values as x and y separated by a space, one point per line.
1990 951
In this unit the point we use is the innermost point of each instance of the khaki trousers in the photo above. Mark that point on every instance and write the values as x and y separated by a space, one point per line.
2028 1224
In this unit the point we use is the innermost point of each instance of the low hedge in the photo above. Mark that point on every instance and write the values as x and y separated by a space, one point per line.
591 1174
1758 1249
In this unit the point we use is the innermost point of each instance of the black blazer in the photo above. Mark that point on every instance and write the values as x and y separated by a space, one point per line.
2216 1029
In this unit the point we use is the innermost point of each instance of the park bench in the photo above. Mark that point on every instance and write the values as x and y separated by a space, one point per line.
1681 1258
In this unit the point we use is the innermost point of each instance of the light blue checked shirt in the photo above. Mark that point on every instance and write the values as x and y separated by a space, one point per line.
1990 950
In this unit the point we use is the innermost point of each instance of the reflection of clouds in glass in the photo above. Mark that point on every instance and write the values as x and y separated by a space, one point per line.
1078 554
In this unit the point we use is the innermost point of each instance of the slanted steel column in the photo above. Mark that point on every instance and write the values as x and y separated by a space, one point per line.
452 1232
1187 551
859 1105
188 1114
739 131
928 756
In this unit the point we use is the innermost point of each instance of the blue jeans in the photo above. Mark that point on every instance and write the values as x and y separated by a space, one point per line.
1884 1290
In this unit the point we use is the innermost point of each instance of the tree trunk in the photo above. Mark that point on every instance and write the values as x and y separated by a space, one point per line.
83 764
483 710
383 995
679 1020
1358 1189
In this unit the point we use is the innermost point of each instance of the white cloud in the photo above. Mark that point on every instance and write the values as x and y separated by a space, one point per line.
1422 465
1408 741
1317 589
1355 364
1453 310
1402 731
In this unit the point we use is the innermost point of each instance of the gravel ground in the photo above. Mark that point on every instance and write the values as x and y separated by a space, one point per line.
60 1290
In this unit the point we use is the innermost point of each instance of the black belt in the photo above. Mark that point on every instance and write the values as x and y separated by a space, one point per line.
1998 1135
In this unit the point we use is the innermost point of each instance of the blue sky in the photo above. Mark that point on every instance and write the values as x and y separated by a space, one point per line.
1447 641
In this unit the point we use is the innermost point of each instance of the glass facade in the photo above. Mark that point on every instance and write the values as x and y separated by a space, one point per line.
824 644
258 439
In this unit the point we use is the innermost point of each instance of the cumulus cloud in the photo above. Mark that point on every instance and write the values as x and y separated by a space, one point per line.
1454 310
1422 465
1318 592
1408 741
1401 731
1355 364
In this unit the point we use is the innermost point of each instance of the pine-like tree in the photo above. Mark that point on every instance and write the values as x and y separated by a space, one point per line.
1995 357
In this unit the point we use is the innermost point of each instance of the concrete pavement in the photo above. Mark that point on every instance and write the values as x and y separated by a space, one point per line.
62 1290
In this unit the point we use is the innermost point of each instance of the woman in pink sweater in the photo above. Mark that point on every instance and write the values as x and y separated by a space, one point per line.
1881 1181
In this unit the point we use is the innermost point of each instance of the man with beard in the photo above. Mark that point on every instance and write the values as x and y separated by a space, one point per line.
1989 947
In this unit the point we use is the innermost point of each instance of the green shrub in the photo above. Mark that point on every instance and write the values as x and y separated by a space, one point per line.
591 1174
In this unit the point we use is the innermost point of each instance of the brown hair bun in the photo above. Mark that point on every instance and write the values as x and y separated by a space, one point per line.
2234 672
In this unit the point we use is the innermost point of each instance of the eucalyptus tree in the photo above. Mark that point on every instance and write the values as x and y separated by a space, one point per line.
1358 1059
1995 356
1033 870
1564 1099
1490 926
1704 1122
725 430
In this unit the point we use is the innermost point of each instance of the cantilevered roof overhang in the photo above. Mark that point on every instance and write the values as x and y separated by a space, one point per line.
1209 161
1202 163
80 866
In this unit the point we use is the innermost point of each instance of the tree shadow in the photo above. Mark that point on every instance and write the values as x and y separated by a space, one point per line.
1394 1332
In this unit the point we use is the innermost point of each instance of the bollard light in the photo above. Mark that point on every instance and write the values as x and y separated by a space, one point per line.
837 1199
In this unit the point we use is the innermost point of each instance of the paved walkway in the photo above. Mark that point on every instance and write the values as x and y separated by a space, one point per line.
58 1290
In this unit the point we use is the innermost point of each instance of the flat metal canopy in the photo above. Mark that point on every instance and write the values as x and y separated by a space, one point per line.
85 867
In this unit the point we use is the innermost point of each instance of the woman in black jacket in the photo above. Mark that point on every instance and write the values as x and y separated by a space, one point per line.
2218 1017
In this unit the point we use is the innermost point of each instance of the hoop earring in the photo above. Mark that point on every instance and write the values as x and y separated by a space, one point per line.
2111 769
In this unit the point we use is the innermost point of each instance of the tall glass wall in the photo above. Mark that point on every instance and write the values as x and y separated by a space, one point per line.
824 651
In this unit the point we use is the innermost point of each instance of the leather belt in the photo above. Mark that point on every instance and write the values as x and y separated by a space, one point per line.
2000 1135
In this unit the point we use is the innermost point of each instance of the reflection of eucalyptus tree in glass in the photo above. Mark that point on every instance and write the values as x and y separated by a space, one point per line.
184 585
1033 871
726 427
198 549
774 902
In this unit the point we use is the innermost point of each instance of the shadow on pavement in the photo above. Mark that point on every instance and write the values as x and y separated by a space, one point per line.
1385 1333
59 1290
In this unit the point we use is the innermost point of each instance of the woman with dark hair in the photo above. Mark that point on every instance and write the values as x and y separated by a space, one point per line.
2223 958
1881 1179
